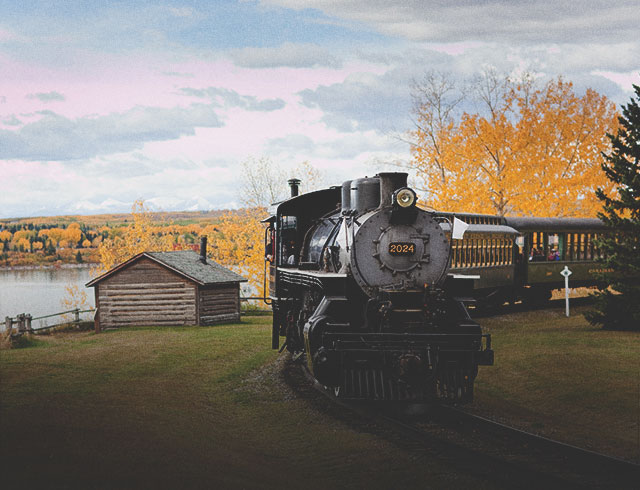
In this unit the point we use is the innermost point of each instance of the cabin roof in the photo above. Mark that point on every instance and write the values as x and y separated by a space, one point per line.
184 262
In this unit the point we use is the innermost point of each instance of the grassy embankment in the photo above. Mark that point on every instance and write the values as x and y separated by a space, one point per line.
203 407
181 408
565 379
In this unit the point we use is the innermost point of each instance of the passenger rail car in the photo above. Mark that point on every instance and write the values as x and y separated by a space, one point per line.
360 281
528 268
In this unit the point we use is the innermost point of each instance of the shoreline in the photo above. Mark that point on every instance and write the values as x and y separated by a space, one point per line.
87 265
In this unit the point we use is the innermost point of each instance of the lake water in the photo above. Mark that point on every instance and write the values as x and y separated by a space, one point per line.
40 291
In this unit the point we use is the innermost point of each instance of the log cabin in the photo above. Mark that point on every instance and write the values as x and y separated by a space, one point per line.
167 288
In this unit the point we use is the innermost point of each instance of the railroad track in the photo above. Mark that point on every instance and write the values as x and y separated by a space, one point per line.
520 307
502 455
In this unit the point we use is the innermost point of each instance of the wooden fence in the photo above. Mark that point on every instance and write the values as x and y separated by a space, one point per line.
24 321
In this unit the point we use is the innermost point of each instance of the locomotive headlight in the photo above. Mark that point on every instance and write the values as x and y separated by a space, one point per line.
404 197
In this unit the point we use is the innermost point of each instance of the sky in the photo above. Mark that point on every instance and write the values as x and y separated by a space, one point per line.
103 103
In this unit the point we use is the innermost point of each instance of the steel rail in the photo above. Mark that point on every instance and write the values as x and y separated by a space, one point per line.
541 462
460 415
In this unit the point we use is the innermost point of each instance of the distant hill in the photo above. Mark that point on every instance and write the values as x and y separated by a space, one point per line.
97 220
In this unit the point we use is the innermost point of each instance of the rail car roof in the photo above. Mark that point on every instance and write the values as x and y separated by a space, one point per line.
555 224
484 229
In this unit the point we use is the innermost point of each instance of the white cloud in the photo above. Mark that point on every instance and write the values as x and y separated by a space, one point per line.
625 81
230 98
52 96
499 20
55 137
287 55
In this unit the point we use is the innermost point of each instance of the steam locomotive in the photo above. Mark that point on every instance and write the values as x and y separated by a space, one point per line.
360 282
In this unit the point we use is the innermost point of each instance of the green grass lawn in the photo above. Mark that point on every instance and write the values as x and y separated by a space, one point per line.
194 407
564 378
204 407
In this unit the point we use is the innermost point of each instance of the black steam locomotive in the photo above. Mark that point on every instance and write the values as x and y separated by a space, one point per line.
360 282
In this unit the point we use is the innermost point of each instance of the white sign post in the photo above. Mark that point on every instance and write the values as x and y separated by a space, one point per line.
566 273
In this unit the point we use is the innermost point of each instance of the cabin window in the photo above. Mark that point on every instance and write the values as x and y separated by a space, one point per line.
289 245
269 251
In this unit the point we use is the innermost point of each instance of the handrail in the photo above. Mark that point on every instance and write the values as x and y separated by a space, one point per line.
24 321
64 313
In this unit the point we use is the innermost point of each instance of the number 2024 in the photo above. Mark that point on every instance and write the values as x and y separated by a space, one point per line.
402 248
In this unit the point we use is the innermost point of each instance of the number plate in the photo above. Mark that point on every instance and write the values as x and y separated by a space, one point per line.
402 248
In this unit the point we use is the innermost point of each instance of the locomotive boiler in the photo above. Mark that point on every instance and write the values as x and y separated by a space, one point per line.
360 283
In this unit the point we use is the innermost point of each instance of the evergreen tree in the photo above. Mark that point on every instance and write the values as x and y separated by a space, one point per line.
621 213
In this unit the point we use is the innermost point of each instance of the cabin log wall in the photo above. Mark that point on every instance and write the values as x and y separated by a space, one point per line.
219 304
145 293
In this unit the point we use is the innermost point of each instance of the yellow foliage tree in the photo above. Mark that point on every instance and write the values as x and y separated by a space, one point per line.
237 243
73 233
23 244
136 238
74 298
532 151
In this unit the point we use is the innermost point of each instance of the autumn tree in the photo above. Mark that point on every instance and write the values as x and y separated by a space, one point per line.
621 213
236 241
527 150
311 177
138 237
265 182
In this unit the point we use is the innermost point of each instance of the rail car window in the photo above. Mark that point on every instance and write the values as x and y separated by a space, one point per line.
553 249
576 246
562 246
519 243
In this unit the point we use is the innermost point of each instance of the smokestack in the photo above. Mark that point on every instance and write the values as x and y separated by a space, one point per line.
295 185
203 249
